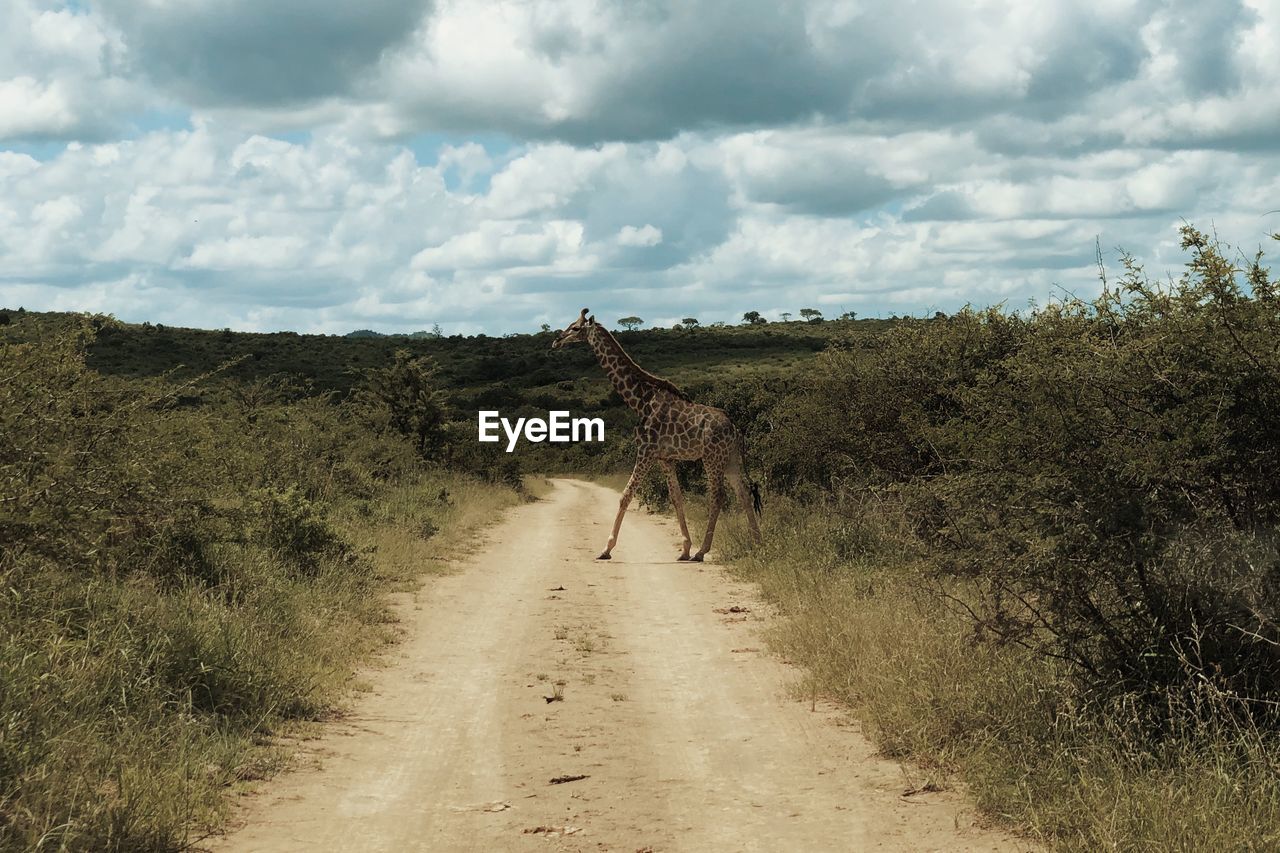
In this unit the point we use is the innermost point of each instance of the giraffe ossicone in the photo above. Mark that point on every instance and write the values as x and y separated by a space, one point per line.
672 429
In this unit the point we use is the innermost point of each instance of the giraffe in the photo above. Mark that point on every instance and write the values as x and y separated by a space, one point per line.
672 428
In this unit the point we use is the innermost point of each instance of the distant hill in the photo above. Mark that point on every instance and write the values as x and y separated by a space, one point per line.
369 333
468 364
518 374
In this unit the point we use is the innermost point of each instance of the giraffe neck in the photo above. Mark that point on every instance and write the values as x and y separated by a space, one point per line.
628 379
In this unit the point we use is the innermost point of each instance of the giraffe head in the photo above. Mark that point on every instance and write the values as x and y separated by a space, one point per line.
575 331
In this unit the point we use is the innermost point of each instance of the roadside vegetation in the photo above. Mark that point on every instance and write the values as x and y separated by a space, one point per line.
517 375
1040 551
1035 551
189 564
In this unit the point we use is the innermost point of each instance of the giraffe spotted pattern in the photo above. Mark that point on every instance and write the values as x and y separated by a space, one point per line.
672 428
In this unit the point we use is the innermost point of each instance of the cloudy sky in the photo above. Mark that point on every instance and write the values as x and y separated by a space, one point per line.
326 165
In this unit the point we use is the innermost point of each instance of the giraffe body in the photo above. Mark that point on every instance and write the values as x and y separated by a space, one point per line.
672 429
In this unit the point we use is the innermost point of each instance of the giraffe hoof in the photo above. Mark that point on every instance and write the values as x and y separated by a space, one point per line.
604 556
696 558
683 558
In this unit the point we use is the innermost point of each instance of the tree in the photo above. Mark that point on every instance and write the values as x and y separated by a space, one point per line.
630 323
849 315
753 318
545 328
689 322
786 316
405 396
811 315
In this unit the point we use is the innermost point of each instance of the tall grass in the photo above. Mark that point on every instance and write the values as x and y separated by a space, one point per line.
862 619
178 582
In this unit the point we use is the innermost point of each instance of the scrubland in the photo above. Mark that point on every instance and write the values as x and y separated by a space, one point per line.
187 569
1037 552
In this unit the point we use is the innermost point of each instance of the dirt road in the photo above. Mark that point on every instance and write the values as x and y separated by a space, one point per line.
669 707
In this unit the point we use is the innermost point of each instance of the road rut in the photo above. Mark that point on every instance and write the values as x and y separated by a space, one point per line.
664 700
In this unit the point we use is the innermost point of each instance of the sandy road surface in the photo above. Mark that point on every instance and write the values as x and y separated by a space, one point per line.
681 724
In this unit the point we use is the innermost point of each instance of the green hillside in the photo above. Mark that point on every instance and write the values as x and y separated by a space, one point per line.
525 361
519 375
1039 550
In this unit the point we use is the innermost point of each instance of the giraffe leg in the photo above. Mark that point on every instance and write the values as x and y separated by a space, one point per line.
744 498
715 482
677 498
637 474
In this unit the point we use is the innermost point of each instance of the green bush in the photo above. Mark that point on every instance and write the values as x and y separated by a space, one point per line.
184 564
405 396
1102 478
1076 775
291 526
1113 491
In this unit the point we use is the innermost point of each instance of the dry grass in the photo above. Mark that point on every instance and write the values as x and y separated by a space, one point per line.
536 487
1003 722
260 656
617 481
419 528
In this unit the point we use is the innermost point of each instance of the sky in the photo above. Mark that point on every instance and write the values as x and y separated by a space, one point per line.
326 165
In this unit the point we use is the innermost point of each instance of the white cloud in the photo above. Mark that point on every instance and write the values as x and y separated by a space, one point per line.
29 108
504 244
61 73
646 235
486 165
240 254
